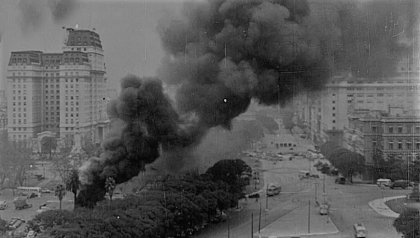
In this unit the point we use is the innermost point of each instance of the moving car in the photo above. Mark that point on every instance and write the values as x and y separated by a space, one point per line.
399 184
273 189
359 231
323 209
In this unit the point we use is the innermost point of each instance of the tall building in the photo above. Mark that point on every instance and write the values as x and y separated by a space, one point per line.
62 93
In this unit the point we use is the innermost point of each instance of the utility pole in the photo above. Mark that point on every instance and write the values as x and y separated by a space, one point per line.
266 198
228 226
323 189
316 192
259 221
309 216
252 225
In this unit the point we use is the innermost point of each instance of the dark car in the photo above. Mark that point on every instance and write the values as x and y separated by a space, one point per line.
340 180
399 184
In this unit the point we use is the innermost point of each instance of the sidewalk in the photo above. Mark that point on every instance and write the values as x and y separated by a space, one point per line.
296 224
381 208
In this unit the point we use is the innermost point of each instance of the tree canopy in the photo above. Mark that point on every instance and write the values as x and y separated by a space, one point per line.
408 223
347 162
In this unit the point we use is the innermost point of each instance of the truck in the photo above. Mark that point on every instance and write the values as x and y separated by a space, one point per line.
20 203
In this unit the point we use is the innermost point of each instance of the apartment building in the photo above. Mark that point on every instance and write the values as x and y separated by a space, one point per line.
62 93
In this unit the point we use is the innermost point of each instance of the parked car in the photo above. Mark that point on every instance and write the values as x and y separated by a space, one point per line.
334 172
340 180
273 189
399 184
383 182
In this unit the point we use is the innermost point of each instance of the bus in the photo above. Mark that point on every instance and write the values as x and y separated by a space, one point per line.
27 191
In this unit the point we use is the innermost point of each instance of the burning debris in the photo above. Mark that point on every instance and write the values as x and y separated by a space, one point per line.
220 55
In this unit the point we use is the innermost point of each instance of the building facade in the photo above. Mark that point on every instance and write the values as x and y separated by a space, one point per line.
59 92
325 113
386 135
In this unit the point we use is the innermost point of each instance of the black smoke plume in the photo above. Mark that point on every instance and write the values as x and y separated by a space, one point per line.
144 123
221 54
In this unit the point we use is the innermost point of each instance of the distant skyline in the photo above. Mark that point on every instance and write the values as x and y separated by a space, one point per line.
127 30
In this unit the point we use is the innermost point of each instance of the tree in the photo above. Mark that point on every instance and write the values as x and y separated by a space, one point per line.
48 144
328 148
347 162
110 187
72 183
60 192
408 223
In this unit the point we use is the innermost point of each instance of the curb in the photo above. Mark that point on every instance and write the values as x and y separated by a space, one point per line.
379 206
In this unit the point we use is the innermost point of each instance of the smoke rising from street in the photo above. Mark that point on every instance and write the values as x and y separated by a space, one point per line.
221 54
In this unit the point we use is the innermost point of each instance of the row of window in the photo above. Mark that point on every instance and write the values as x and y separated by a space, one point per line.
399 145
398 130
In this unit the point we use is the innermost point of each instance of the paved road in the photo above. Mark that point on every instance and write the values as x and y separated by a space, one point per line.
349 204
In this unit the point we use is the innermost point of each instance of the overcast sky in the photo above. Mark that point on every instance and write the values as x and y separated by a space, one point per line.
127 30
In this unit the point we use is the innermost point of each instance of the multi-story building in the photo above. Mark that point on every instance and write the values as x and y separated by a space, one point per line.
395 133
62 93
326 113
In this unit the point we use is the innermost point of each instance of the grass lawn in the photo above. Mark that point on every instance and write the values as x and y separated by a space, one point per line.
397 205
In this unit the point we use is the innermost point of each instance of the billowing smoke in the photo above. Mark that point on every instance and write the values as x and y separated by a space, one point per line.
33 12
221 54
144 123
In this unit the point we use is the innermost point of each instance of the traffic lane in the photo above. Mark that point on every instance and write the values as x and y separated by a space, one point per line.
294 194
349 205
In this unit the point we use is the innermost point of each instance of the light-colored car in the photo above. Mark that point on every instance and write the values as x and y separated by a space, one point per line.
359 230
323 209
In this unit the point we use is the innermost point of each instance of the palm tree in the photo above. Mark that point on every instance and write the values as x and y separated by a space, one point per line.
73 183
60 192
110 187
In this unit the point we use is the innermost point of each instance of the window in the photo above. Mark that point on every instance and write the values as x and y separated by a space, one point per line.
333 121
374 129
333 102
400 129
417 145
417 129
400 145
373 143
391 130
390 145
333 114
408 145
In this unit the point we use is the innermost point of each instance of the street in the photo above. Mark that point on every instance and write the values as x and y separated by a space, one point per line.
349 205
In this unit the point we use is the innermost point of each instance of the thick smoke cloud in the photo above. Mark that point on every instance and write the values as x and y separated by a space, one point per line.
144 123
221 54
31 14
